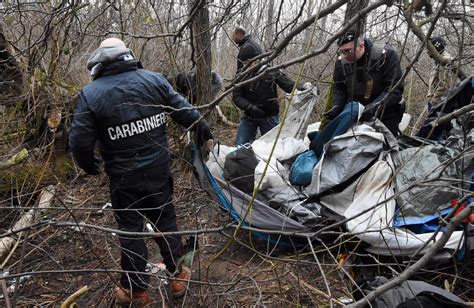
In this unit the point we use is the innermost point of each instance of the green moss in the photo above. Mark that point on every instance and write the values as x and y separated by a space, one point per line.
67 86
64 165
39 75
231 112
33 171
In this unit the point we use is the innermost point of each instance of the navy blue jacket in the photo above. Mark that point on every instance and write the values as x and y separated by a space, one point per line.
125 109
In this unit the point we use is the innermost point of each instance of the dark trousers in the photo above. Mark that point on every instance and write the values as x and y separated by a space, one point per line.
146 194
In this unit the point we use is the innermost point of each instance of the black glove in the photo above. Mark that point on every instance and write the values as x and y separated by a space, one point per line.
255 112
203 133
369 112
88 162
94 170
333 112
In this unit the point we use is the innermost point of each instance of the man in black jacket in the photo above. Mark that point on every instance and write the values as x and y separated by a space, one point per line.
248 48
369 74
124 109
259 102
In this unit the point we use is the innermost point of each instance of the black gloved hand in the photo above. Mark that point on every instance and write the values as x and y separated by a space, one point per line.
95 167
333 112
255 112
87 161
369 112
203 133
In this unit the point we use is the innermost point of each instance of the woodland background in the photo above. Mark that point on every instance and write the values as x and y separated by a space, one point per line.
44 46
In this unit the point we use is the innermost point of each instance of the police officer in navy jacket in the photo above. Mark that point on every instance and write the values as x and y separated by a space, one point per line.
124 110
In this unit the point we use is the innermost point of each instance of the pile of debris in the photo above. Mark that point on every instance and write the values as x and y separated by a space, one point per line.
405 196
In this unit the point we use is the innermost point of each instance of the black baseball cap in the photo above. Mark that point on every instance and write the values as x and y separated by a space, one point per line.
347 37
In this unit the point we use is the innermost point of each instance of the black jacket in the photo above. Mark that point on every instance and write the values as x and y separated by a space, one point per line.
384 74
186 85
248 49
125 110
262 93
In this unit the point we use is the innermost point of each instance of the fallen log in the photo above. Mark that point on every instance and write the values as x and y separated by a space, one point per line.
15 159
28 218
224 118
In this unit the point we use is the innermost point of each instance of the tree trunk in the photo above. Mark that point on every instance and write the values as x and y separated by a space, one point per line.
353 7
269 35
202 51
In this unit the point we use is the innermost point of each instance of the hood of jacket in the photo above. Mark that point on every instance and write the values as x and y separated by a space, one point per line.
107 55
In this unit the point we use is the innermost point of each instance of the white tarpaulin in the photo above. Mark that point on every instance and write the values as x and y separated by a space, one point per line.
276 174
345 156
297 118
368 196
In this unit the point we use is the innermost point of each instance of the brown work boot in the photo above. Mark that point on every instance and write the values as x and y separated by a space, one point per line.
178 287
125 297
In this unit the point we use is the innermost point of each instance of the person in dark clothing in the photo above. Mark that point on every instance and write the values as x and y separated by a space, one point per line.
368 73
442 78
259 102
124 109
248 48
186 84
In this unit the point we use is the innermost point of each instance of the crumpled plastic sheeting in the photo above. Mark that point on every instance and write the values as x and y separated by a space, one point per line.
277 174
372 222
289 201
466 165
423 163
285 148
297 118
407 290
345 156
216 160
426 163
260 215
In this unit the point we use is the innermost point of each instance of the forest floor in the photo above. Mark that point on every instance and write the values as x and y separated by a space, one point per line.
228 270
